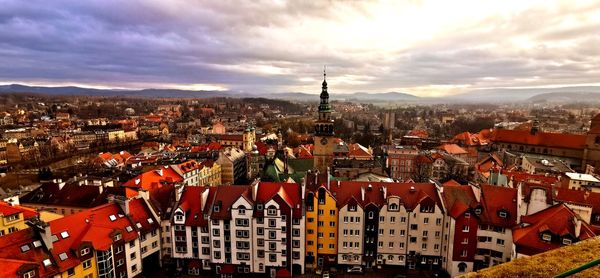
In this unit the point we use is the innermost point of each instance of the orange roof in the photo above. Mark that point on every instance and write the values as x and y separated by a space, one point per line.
357 150
543 139
7 209
453 149
12 257
153 178
423 134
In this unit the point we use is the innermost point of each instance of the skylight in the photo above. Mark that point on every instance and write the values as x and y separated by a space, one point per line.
150 220
128 228
112 217
63 256
64 234
37 243
24 248
47 262
138 225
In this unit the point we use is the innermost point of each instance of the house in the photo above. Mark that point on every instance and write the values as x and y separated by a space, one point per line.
574 180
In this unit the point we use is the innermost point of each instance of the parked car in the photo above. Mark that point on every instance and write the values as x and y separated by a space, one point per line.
355 269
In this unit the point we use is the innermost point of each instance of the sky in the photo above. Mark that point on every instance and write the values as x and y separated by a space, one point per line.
426 48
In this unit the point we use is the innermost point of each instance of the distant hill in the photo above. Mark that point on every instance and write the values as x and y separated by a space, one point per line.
502 95
559 97
166 93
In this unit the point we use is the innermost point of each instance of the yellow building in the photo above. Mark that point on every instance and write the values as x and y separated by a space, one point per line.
321 229
12 217
86 269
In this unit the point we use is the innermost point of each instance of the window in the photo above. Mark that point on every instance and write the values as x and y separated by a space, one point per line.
134 268
438 221
392 219
331 246
503 214
462 267
465 228
467 215
546 237
567 241
71 272
29 274
371 215
272 211
424 246
332 212
392 232
331 223
393 207
85 251
465 241
120 262
272 257
403 219
463 253
117 237
119 249
87 264
260 231
132 256
414 227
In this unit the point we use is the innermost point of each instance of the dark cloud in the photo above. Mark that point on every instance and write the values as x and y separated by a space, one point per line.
273 47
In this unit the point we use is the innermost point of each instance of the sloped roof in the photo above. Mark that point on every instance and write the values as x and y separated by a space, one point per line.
12 257
140 213
453 149
495 199
458 199
582 197
191 203
94 226
289 192
7 209
225 196
543 139
557 220
152 178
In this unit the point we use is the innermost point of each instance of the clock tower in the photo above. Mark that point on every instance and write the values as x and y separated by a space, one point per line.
323 139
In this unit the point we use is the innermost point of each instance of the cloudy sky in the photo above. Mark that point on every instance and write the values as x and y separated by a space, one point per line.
426 48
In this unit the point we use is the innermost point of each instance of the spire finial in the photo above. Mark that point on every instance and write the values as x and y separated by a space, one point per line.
324 72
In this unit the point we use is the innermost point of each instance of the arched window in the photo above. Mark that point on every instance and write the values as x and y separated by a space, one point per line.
394 207
462 267
371 215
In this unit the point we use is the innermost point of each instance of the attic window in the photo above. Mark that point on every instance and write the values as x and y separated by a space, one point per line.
259 206
47 262
24 248
216 208
567 241
117 237
64 234
37 243
129 229
478 211
546 237
139 225
503 214
63 256
112 217
150 220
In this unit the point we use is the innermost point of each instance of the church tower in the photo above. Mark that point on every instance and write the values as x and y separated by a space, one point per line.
323 138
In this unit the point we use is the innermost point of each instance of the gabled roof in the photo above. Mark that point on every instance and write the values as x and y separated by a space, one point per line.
557 220
495 199
225 196
191 203
70 195
518 177
458 199
360 151
581 197
542 139
289 192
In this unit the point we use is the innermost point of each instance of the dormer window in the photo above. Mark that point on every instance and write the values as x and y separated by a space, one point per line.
272 211
241 210
216 208
567 241
503 214
178 217
394 207
547 237
85 251
478 211
117 237
467 215
352 207
259 207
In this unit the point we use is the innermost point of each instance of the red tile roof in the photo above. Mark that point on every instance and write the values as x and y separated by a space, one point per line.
518 177
140 213
151 179
495 199
458 199
12 256
543 139
225 196
289 192
557 220
581 197
7 209
191 203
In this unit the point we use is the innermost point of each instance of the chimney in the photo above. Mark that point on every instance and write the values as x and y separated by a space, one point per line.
577 224
121 201
328 179
42 229
384 190
362 193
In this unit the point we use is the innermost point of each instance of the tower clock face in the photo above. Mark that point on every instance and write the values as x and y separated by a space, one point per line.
324 141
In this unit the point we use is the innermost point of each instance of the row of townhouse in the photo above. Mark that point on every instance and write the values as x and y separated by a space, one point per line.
118 239
234 230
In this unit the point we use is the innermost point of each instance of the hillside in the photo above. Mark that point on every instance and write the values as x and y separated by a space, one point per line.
550 263
560 97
